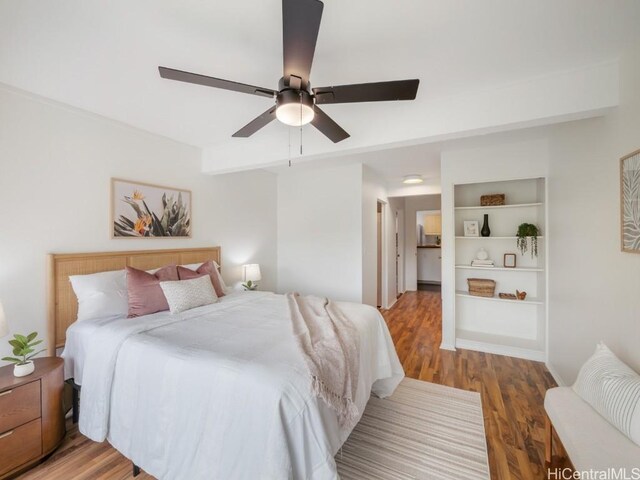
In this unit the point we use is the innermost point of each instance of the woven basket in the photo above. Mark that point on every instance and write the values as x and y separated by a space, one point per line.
492 200
481 287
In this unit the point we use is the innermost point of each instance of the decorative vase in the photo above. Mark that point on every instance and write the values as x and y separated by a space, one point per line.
486 231
24 369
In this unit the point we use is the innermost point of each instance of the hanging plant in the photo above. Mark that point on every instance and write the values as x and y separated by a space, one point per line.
528 231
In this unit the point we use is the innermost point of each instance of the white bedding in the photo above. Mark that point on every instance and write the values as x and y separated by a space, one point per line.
219 392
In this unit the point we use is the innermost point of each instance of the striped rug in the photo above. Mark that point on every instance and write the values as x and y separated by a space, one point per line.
423 431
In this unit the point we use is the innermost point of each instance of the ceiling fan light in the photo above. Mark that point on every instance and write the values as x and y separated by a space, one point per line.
412 179
294 107
294 114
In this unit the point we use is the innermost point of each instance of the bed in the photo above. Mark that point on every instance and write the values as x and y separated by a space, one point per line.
218 391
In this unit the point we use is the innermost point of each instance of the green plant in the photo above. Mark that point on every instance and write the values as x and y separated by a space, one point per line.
250 285
23 347
528 231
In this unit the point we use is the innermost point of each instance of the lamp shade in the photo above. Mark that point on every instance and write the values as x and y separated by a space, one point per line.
251 272
4 327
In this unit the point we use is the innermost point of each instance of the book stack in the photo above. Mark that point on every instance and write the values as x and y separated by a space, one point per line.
482 263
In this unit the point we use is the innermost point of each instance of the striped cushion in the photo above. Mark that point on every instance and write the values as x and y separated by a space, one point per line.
612 389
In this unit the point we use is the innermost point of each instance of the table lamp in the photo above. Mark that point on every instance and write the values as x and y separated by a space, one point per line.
4 326
251 275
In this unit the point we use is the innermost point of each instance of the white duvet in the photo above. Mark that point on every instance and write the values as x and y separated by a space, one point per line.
221 392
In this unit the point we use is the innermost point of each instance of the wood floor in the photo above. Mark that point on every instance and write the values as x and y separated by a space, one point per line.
512 397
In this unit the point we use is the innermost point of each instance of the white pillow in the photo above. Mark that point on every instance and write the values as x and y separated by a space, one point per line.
612 389
101 295
187 294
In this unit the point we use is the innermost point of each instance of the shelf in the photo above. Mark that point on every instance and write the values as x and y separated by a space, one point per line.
528 301
491 238
494 207
501 269
501 344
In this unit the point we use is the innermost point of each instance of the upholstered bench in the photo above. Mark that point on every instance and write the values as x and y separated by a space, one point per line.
589 440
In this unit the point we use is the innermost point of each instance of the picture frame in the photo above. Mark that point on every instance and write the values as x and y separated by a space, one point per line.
146 210
509 260
630 202
471 228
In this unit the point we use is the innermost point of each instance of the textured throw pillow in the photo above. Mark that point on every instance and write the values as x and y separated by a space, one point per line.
145 294
187 294
101 295
207 268
612 389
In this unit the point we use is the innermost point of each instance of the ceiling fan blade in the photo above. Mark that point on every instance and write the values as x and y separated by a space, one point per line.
327 126
368 92
257 123
188 77
300 26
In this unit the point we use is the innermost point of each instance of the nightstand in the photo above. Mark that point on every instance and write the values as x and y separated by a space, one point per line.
31 415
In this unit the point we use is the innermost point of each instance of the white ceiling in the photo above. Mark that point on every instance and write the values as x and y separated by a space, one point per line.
103 56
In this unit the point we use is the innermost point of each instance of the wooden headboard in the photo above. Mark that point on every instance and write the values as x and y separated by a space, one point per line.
62 302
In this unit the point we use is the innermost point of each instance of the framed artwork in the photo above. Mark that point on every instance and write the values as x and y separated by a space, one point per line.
630 202
141 210
471 228
509 260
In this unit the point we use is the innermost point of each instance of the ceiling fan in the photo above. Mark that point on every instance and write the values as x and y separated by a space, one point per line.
296 103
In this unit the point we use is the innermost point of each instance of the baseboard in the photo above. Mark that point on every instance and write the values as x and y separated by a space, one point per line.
395 300
508 351
556 376
447 346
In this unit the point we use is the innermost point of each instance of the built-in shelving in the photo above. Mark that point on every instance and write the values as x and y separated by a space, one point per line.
501 269
497 207
501 344
527 301
493 324
540 237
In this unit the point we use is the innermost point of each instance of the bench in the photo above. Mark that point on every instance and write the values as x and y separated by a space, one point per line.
590 441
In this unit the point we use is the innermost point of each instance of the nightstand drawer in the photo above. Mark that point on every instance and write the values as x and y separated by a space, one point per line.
20 445
19 406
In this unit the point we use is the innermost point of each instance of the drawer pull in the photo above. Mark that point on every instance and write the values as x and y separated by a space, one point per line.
5 393
4 435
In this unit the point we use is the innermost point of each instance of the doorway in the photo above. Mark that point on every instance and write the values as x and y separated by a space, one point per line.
379 267
429 257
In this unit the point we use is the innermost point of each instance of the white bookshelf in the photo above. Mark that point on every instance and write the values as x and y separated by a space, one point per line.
492 324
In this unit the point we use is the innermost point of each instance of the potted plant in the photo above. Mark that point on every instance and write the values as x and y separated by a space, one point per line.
24 352
528 231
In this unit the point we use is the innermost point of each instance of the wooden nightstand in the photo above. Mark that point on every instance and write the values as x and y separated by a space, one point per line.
31 415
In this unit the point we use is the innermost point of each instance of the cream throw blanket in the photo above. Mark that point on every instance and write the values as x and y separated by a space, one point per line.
330 345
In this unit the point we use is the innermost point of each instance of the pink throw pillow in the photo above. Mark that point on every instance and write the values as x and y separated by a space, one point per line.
207 268
145 294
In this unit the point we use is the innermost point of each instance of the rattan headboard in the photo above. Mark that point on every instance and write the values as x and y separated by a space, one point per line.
62 302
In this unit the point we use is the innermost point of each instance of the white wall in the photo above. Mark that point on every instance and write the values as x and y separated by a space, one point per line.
412 205
320 232
502 157
55 166
594 287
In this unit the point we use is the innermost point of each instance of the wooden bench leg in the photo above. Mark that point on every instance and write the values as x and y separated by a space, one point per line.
548 440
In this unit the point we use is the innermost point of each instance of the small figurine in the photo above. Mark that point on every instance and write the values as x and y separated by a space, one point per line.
521 295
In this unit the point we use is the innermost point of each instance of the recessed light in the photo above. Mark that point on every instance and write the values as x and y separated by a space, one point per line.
412 179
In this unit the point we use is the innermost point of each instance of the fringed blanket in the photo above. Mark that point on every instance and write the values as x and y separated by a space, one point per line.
330 345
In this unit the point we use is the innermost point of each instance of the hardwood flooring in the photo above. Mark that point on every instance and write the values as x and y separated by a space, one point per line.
512 397
512 389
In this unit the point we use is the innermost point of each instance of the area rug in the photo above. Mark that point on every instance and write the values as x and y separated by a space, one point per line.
423 431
